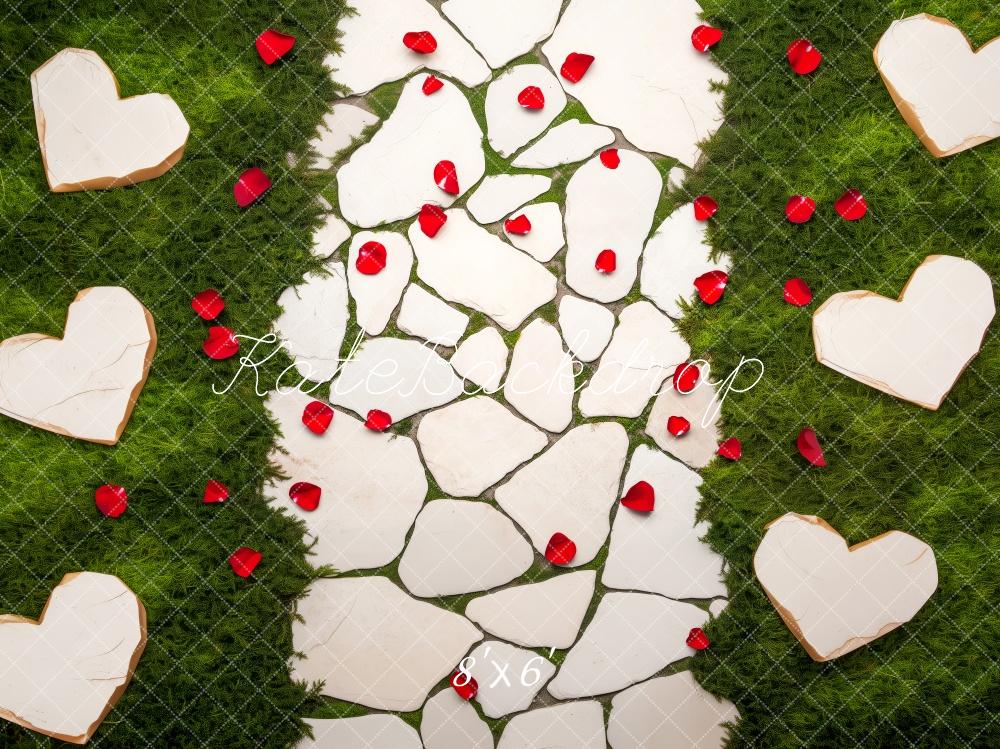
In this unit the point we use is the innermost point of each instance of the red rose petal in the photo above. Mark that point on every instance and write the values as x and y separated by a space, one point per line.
797 292
317 417
371 258
445 177
560 549
251 185
208 304
606 261
640 497
731 449
852 205
697 639
421 42
809 447
610 158
678 426
111 500
464 685
799 209
244 561
272 45
432 84
431 219
686 377
215 492
705 207
378 421
519 225
531 98
711 286
703 38
576 66
803 56
305 495
221 343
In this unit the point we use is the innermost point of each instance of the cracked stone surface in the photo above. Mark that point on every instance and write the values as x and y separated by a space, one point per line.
546 236
540 381
697 447
313 322
576 725
586 326
567 143
449 722
365 732
482 360
425 316
508 677
503 29
500 194
376 297
509 125
337 130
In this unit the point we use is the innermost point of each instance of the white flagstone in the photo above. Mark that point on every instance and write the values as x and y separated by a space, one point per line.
500 194
503 29
425 316
508 677
546 236
375 297
313 322
540 382
337 130
586 326
509 125
567 143
482 360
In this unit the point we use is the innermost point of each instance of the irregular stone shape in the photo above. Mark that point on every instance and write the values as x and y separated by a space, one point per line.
449 722
482 359
500 194
648 80
567 143
313 321
460 547
836 599
373 485
674 257
375 297
630 638
675 178
65 671
540 383
503 30
90 138
509 125
627 197
539 615
570 489
424 315
470 445
391 176
697 447
662 551
645 349
546 236
365 732
669 711
716 607
372 50
337 130
85 384
374 645
330 235
577 725
586 326
916 347
466 264
400 377
508 677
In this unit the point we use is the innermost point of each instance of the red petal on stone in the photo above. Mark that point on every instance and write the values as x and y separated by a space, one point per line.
244 561
711 286
797 292
421 42
705 207
640 497
317 417
576 66
697 639
809 447
560 549
852 205
305 495
431 219
606 261
208 304
531 98
432 84
378 421
251 185
445 177
803 56
272 45
610 158
731 449
215 492
519 225
111 500
464 685
703 38
371 258
678 426
221 343
799 209
686 377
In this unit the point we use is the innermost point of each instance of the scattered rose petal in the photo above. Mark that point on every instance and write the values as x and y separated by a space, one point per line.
711 286
576 66
606 261
251 185
705 207
809 447
640 497
803 56
371 258
445 177
378 421
852 205
610 158
244 561
221 343
111 500
208 304
703 38
432 84
697 639
272 45
678 426
421 42
560 549
686 377
731 449
305 495
797 292
518 226
317 416
531 98
431 219
464 685
215 492
799 209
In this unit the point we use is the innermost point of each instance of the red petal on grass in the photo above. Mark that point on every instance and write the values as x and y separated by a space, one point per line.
432 84
711 286
799 209
431 219
809 447
640 497
317 417
731 449
531 98
305 495
378 421
464 685
221 343
686 377
803 56
697 639
245 560
208 304
272 45
560 549
421 42
519 225
606 262
111 500
445 177
797 292
678 426
705 207
251 185
215 492
371 258
703 38
576 66
852 205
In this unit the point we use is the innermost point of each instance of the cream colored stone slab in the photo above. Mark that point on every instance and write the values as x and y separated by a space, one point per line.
374 645
570 489
459 546
466 264
400 377
500 194
372 51
914 348
567 143
391 176
508 677
647 78
546 236
538 615
716 607
645 349
586 326
540 382
609 209
946 92
92 139
669 711
85 384
576 725
425 316
376 297
662 551
313 321
330 235
482 360
836 599
503 29
675 178
65 671
365 732
373 485
470 445
449 722
697 447
509 125
631 637
337 130
674 257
